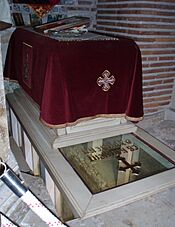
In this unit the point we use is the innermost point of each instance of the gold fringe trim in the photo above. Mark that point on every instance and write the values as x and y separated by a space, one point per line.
135 119
27 44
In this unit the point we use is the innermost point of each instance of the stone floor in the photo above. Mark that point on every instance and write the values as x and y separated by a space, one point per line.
161 128
157 210
154 211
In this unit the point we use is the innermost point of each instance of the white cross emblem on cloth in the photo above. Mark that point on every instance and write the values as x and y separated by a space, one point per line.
106 81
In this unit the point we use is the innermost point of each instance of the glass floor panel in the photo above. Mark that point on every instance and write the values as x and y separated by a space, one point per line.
108 163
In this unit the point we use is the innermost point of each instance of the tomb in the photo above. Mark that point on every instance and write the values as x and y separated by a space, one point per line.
71 120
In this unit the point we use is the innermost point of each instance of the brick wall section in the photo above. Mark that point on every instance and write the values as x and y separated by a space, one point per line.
152 25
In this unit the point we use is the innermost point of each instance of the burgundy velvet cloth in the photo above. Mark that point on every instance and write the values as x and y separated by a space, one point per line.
54 2
63 75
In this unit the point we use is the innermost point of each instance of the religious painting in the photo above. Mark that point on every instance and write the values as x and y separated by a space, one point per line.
40 7
36 1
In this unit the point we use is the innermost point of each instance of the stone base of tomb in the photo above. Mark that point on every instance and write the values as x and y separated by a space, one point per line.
50 154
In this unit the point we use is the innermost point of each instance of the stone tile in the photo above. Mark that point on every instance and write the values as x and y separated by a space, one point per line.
8 202
154 211
18 211
32 220
5 193
164 130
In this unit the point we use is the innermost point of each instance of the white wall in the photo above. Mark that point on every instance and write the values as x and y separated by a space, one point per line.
5 11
